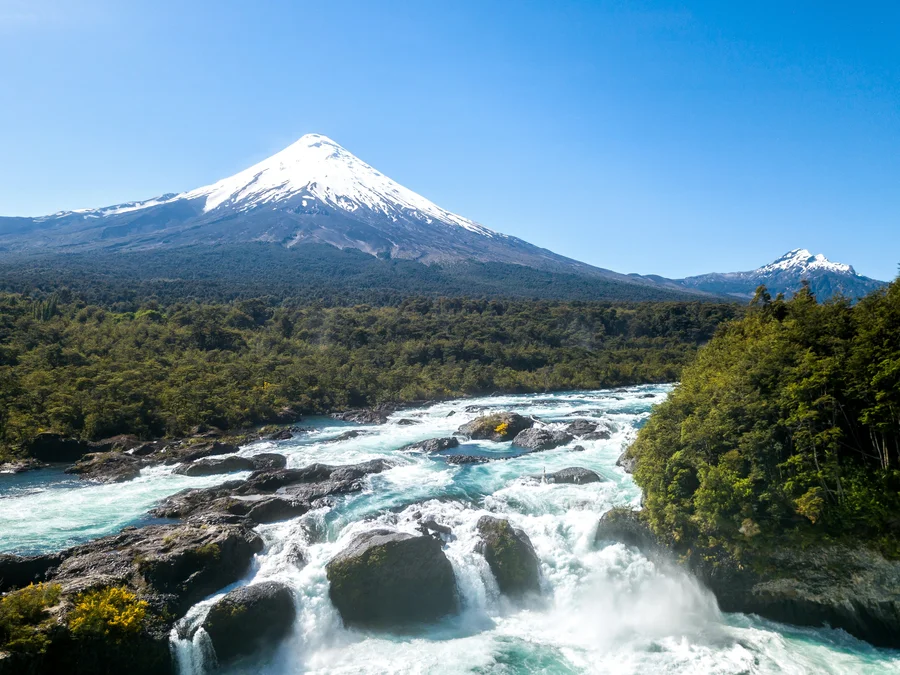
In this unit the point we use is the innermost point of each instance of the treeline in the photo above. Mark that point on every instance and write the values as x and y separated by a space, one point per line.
90 372
786 425
303 275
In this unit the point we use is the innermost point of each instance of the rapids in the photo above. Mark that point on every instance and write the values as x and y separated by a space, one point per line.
604 610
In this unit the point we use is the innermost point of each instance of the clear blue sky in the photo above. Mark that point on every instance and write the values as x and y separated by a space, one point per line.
652 137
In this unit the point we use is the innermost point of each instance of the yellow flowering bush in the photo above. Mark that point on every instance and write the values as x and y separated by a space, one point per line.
109 613
501 428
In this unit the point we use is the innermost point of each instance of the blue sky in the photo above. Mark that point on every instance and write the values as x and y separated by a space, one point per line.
653 137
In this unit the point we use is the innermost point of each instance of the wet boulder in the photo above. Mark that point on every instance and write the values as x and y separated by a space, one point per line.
627 462
385 578
574 475
626 526
250 619
363 416
107 467
510 556
581 427
503 426
280 435
535 439
460 460
22 465
178 454
432 445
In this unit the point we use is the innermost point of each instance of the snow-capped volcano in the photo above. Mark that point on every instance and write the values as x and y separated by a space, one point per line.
313 191
315 168
801 261
786 274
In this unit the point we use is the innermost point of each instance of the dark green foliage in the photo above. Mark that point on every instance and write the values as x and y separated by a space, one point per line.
90 372
788 422
314 273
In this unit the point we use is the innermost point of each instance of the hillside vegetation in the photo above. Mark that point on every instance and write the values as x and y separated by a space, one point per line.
90 372
786 426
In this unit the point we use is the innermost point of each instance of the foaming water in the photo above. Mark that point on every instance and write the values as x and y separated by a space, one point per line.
607 610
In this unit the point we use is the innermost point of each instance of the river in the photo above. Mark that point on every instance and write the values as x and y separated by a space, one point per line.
604 609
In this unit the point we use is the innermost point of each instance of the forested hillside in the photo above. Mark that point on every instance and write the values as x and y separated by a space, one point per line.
312 273
90 372
786 425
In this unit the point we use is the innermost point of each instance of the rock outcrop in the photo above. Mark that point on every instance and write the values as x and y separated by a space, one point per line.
498 427
510 556
385 578
627 462
250 619
536 440
574 475
231 464
108 467
51 447
363 416
432 445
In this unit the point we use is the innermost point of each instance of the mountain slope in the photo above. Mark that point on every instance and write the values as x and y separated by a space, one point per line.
784 275
314 191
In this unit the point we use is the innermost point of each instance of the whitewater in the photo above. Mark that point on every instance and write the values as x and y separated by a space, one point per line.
605 608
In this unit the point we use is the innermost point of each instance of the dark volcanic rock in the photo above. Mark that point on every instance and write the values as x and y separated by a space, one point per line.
364 416
433 445
267 461
281 435
627 462
405 422
581 427
216 465
574 474
249 619
853 589
347 435
385 578
599 435
541 439
268 496
497 427
177 454
177 565
108 467
19 571
510 556
626 526
50 447
22 465
458 460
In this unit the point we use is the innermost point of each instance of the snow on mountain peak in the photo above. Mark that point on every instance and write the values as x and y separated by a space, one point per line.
801 261
317 168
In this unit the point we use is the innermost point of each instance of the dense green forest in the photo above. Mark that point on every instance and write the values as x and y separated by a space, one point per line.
314 273
91 372
786 425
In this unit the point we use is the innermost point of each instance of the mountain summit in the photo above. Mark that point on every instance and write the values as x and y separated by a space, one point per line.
786 275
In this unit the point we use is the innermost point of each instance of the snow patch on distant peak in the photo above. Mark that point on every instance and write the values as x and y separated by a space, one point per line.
316 166
800 260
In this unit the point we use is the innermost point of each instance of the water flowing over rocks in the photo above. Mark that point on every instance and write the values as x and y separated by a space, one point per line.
366 416
386 578
250 619
510 555
498 427
856 590
536 440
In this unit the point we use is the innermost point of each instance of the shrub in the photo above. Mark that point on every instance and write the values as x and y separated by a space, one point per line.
24 619
110 613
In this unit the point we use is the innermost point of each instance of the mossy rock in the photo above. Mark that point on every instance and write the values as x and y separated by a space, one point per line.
386 578
499 427
510 556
